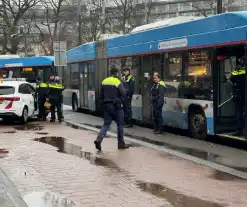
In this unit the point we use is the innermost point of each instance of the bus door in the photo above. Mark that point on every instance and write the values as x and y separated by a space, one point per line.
84 85
81 88
85 92
146 87
224 115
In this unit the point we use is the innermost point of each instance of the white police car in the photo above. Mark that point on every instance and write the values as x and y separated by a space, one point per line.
17 100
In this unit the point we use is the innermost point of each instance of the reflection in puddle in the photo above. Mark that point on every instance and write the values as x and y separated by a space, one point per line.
193 152
133 144
3 153
74 126
224 176
71 149
42 199
29 127
9 132
175 198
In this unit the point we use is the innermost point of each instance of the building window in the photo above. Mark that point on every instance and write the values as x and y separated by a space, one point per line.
197 81
75 76
173 8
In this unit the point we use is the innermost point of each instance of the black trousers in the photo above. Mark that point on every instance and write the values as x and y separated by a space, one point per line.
56 104
42 109
128 110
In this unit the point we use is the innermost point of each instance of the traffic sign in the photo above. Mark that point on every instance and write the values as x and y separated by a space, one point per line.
59 49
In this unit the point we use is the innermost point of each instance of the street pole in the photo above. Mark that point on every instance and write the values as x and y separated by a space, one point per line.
219 7
25 44
146 12
103 16
79 22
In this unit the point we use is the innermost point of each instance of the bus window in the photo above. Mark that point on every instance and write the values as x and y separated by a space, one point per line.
29 74
75 76
133 64
197 76
172 70
116 62
66 76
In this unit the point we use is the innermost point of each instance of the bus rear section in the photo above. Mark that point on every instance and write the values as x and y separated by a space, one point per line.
29 68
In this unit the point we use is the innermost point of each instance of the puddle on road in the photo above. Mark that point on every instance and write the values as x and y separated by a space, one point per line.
218 175
3 153
29 127
71 149
45 199
10 132
175 198
194 152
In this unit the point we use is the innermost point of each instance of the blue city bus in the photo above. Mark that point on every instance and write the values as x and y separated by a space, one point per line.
195 60
29 67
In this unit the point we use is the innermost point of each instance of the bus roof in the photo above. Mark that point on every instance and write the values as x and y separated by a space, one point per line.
26 62
227 28
83 52
9 56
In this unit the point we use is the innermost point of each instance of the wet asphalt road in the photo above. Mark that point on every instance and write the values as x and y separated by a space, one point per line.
57 163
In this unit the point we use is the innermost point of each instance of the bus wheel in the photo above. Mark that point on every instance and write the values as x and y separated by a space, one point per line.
198 128
74 103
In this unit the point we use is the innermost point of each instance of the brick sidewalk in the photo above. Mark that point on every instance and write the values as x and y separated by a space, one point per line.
231 157
135 177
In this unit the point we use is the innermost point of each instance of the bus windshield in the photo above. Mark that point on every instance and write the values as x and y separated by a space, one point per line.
29 73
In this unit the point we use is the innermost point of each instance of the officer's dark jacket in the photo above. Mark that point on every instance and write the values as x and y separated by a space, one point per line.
55 91
238 80
129 85
112 91
158 93
42 90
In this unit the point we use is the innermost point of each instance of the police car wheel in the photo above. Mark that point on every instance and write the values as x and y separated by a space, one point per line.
24 117
74 103
197 126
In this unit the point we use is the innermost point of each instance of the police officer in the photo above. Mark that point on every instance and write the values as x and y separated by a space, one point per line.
112 94
157 92
238 80
42 94
55 97
129 85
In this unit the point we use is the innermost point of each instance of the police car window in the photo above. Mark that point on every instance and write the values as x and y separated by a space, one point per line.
31 88
7 90
24 89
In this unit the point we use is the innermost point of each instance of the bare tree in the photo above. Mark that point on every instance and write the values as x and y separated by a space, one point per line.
89 20
210 6
11 13
122 12
55 24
